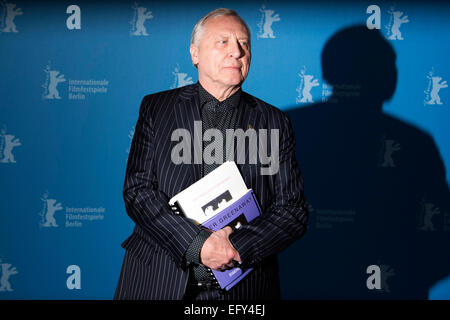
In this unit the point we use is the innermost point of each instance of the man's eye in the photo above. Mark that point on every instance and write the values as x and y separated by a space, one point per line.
223 41
244 43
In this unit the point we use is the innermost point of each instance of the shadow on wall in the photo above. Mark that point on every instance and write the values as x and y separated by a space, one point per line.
375 186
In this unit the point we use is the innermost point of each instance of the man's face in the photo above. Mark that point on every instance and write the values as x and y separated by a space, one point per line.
223 53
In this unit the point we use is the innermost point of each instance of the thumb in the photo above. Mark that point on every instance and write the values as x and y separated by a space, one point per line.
228 230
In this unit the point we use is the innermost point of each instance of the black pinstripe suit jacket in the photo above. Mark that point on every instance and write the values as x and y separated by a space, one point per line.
160 238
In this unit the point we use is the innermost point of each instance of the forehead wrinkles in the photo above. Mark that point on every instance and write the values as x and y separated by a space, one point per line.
212 27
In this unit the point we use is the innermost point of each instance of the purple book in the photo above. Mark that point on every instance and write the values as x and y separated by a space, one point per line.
238 213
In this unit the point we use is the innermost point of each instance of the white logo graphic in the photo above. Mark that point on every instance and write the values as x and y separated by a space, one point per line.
388 147
429 210
331 218
77 89
49 208
74 217
434 85
265 24
140 16
7 272
395 21
9 13
327 92
130 137
7 143
180 79
52 79
215 151
378 277
74 20
74 280
374 21
306 84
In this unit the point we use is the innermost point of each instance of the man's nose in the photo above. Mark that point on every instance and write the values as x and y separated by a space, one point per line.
235 49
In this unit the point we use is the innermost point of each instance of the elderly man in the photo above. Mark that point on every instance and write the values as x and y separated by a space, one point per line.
167 255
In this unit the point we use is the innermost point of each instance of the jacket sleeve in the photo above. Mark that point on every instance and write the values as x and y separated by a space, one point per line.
285 219
145 203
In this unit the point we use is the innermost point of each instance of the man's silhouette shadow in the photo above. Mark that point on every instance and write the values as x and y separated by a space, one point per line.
375 185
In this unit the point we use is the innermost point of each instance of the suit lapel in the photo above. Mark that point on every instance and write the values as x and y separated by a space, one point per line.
187 113
249 117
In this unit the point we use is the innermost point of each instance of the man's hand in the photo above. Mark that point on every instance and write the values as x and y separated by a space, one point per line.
217 252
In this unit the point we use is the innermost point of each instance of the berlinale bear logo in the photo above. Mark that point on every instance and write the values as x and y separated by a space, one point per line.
395 21
49 208
307 82
53 78
7 272
8 24
435 84
7 143
265 25
137 24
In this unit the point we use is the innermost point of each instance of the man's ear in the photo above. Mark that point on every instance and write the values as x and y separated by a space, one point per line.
194 54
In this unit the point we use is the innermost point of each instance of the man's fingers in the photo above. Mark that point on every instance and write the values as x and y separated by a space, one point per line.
221 264
225 267
217 252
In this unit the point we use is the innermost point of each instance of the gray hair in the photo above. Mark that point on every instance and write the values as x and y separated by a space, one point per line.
198 28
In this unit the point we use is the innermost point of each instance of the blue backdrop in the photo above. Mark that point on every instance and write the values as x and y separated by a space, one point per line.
72 78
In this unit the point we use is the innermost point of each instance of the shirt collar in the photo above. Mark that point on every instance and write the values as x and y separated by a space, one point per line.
229 103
